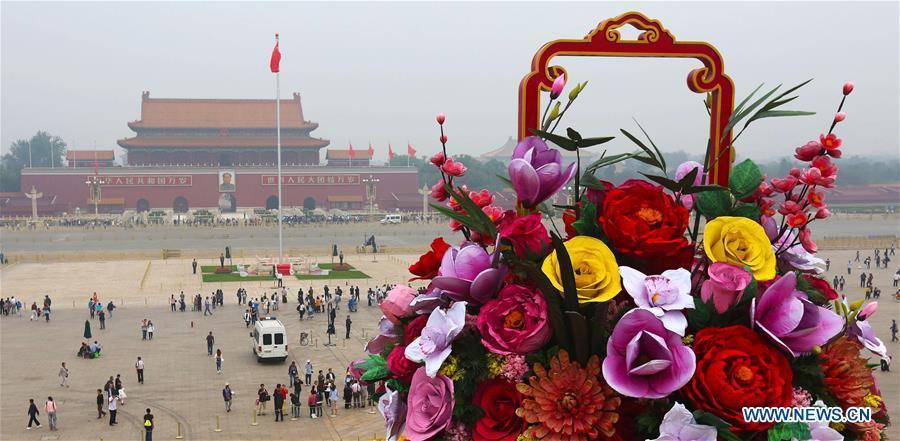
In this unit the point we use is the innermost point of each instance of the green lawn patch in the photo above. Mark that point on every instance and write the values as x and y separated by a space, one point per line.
233 277
328 266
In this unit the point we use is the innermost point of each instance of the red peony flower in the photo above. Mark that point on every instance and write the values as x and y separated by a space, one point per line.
526 233
647 226
401 367
499 399
822 286
427 265
737 369
414 329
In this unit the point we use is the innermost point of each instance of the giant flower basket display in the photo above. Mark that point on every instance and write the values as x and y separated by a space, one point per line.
663 308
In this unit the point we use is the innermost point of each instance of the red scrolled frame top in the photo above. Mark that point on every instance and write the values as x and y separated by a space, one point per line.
654 41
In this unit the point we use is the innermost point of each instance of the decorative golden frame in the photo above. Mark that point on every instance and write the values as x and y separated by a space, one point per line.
654 41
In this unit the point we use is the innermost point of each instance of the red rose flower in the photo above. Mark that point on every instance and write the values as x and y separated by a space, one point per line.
646 225
401 367
822 286
499 399
414 329
737 369
427 265
526 233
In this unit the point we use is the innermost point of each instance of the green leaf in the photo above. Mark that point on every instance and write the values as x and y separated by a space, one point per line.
740 105
701 314
608 160
723 428
590 142
693 189
587 224
750 211
646 149
736 117
484 224
457 216
659 154
573 135
567 272
561 141
376 374
714 203
778 113
744 179
784 431
665 182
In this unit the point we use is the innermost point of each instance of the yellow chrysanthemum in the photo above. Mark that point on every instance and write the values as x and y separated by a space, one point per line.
596 271
451 369
873 401
495 365
740 241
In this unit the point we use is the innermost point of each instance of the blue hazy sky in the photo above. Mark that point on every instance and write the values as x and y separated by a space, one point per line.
379 72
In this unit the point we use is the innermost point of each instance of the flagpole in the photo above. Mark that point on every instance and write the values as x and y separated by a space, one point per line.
278 154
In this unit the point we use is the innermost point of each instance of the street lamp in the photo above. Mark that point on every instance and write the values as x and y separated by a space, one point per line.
371 182
570 194
94 183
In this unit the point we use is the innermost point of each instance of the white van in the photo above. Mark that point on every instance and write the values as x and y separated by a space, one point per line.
269 339
392 219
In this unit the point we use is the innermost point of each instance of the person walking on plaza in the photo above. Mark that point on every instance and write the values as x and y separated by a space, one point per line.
219 360
50 408
113 407
150 329
102 316
206 310
893 330
209 344
194 266
109 309
348 322
849 267
292 372
64 375
148 426
862 279
262 395
827 264
172 302
139 367
100 401
295 405
32 414
278 403
144 329
333 397
227 395
842 283
309 372
311 402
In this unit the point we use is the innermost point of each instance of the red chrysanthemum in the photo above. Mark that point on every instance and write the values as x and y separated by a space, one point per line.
568 402
846 374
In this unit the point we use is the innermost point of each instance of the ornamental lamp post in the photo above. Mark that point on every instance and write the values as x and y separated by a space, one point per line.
94 183
371 183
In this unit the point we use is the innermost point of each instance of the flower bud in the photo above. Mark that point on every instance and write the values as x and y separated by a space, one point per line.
554 112
867 311
823 213
443 139
576 90
840 116
440 118
556 89
848 87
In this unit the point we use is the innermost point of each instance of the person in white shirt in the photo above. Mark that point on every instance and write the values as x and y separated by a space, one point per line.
139 367
113 407
64 375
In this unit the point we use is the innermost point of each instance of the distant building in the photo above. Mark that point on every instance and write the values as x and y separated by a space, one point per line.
219 154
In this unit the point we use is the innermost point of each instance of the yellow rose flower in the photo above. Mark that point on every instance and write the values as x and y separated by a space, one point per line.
596 271
740 241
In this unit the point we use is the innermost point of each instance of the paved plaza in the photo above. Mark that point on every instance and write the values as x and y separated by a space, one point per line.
181 382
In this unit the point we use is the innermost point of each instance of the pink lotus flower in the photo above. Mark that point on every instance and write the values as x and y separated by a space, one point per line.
397 303
440 118
725 285
664 295
558 85
438 159
430 406
848 87
808 151
515 322
644 359
790 320
452 168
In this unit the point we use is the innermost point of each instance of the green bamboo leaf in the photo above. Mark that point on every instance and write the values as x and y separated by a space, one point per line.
589 142
561 141
740 105
736 119
659 154
665 182
778 113
643 147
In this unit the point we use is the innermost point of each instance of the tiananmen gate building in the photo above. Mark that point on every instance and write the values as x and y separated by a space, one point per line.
190 154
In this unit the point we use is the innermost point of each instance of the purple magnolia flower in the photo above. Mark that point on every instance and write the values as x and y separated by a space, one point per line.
386 336
679 425
787 317
393 409
863 332
434 345
428 301
688 200
664 295
469 273
537 172
796 256
644 359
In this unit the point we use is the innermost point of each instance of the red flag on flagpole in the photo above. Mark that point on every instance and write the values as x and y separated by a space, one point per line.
276 57
371 151
410 150
352 153
390 152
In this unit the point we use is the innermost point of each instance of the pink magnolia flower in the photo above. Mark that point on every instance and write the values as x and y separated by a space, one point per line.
430 407
397 304
725 285
453 168
469 273
862 331
515 322
664 295
393 409
440 118
536 171
867 311
644 359
433 346
848 87
558 84
790 320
